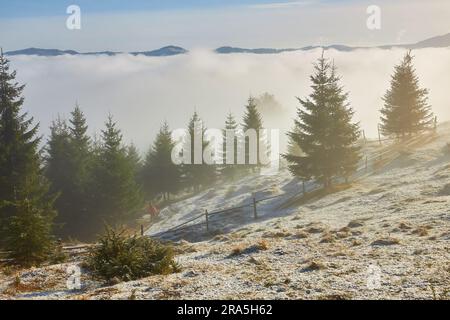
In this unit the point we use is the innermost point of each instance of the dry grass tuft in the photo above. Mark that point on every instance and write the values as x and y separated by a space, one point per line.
315 230
262 245
342 233
301 235
339 296
237 250
421 231
184 247
314 266
385 242
253 260
166 294
277 234
222 238
355 224
327 238
404 226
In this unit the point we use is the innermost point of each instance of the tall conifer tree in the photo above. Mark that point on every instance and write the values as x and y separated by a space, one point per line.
68 167
135 160
81 145
26 209
161 175
406 110
197 174
323 131
58 170
117 194
230 171
253 120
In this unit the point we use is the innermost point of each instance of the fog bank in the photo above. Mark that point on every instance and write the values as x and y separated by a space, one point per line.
141 92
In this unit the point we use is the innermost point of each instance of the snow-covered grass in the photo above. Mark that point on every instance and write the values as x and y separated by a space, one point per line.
395 221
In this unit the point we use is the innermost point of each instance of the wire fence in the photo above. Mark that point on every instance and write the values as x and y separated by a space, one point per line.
221 213
367 166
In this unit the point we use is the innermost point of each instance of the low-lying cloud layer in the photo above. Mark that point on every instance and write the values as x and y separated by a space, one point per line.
141 92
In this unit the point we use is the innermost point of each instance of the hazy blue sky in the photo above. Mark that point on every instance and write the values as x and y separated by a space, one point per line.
31 8
140 25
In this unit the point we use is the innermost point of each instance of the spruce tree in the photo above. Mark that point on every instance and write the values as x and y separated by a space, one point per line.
323 131
406 110
68 168
197 174
293 148
161 176
135 160
58 170
116 193
230 171
24 197
81 146
253 120
80 174
29 232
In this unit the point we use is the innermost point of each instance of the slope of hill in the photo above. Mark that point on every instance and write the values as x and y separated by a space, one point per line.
41 52
386 237
435 42
162 52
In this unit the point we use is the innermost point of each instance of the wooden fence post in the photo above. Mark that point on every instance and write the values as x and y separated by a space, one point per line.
379 134
366 163
364 136
142 230
304 187
255 213
207 220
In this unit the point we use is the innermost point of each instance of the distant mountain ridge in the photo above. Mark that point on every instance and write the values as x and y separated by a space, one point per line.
435 42
228 50
164 51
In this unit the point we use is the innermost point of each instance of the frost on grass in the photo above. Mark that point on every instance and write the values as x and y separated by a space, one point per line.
396 218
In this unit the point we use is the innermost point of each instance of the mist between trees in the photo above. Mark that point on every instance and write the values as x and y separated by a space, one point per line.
77 183
227 147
